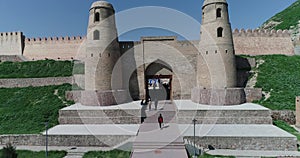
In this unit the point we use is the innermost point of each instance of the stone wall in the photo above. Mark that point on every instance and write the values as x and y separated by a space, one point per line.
159 56
35 82
262 42
224 116
253 94
62 48
250 42
248 143
63 140
13 58
11 43
284 115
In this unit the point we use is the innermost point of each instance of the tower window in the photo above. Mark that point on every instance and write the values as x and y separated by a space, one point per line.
97 17
96 35
220 32
219 12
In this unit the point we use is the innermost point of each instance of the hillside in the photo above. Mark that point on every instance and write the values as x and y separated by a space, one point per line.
39 69
24 110
279 77
287 19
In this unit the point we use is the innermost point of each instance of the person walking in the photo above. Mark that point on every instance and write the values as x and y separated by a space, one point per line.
160 121
149 103
156 103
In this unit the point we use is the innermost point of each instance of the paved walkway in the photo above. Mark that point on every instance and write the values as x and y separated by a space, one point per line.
159 143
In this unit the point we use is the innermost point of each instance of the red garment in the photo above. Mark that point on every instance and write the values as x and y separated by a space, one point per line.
160 119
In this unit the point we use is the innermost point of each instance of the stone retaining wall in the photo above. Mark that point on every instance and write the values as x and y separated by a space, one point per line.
249 143
288 116
35 82
63 140
13 58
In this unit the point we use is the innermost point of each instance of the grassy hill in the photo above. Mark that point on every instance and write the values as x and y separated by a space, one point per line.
285 19
288 19
280 77
39 69
23 110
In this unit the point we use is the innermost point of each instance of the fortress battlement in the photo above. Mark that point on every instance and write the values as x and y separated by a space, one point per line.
55 39
11 43
261 33
10 36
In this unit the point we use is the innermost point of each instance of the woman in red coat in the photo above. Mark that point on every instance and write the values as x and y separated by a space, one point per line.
160 121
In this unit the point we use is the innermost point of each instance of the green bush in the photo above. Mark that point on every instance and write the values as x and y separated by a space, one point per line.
40 154
9 151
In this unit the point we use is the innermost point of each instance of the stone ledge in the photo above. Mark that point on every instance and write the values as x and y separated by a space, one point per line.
103 98
228 96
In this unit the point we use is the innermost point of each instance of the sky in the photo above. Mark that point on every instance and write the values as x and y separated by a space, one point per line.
50 18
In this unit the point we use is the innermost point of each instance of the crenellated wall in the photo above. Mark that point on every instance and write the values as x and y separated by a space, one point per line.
262 42
57 48
11 43
246 42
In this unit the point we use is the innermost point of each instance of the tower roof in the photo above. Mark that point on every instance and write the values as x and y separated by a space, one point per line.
102 4
207 2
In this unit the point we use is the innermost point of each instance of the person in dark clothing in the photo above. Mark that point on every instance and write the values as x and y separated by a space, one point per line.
156 103
160 121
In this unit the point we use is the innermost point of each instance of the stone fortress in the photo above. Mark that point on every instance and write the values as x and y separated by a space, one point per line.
15 46
200 77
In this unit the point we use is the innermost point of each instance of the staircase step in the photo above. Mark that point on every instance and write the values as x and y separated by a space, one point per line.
240 137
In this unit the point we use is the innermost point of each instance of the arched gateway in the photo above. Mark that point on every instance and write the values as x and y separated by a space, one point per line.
158 81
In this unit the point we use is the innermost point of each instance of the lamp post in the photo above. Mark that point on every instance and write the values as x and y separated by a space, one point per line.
46 126
194 121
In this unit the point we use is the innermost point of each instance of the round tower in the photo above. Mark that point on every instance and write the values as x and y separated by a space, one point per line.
216 69
102 50
102 54
216 47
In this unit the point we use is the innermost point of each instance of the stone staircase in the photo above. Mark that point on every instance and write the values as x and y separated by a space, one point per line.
152 141
239 127
79 114
237 114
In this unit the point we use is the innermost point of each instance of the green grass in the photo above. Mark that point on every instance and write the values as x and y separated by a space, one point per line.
32 154
39 69
214 156
279 75
289 17
107 154
285 126
23 110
